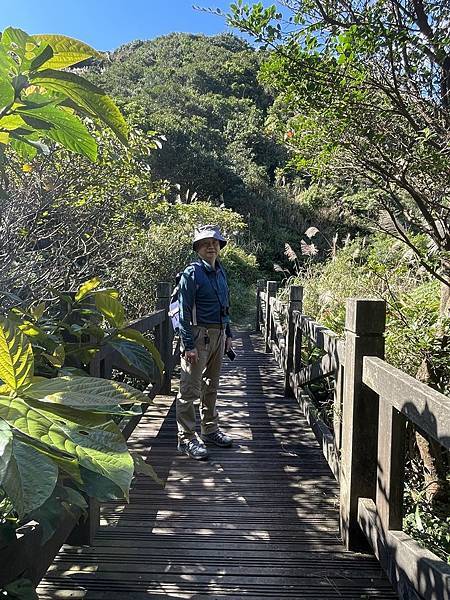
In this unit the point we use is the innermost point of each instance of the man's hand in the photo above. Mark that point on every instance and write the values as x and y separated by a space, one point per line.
228 344
191 356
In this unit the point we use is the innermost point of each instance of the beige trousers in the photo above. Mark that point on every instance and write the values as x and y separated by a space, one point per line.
200 381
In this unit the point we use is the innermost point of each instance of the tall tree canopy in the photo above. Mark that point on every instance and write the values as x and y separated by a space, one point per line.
363 92
202 93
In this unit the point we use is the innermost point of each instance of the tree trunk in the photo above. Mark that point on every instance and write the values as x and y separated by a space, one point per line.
435 460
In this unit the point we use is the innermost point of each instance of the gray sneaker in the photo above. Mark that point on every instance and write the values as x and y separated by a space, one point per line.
193 448
218 438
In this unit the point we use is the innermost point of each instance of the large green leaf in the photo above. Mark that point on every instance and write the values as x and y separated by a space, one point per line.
16 356
87 287
7 65
6 443
67 51
29 479
100 487
63 127
15 40
24 150
84 392
136 336
94 440
12 122
7 94
21 589
66 463
87 96
111 308
143 468
137 357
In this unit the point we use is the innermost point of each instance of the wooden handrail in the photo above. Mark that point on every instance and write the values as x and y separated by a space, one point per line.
427 408
108 359
366 449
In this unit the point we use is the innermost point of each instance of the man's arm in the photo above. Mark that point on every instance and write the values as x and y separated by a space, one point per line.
186 298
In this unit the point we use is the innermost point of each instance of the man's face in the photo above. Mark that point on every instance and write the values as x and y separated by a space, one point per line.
208 249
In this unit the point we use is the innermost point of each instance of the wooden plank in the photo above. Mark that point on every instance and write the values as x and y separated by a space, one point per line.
404 560
258 520
427 408
322 368
321 336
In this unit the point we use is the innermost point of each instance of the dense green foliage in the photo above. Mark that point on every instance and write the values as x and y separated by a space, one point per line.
40 101
362 91
204 96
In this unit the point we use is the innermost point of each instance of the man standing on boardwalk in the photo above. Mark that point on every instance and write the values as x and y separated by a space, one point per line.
205 337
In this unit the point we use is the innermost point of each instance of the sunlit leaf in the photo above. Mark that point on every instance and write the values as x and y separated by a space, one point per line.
93 439
85 95
67 51
16 356
84 392
111 308
62 127
87 287
136 336
29 479
6 442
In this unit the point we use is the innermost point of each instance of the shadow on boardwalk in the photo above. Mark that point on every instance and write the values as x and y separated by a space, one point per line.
259 520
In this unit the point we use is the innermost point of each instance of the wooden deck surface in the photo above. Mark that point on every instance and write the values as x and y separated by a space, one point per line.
259 520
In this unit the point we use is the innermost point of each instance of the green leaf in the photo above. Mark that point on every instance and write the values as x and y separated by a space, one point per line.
100 487
7 94
67 464
94 440
16 356
15 40
21 589
42 56
50 514
67 51
87 96
84 392
62 127
136 336
6 443
7 65
137 357
37 311
12 122
143 468
57 358
29 479
25 150
87 287
111 308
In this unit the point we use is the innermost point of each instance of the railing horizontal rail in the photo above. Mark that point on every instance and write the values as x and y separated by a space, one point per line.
322 337
366 447
427 408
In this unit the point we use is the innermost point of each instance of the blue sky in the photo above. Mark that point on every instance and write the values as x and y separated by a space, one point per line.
106 24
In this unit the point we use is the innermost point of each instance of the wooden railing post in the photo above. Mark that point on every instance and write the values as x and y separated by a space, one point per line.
365 325
165 334
271 289
260 284
295 303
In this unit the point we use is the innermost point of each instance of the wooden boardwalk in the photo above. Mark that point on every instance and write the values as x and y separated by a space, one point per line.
257 521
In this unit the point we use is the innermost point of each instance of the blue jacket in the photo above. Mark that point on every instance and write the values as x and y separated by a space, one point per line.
204 296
